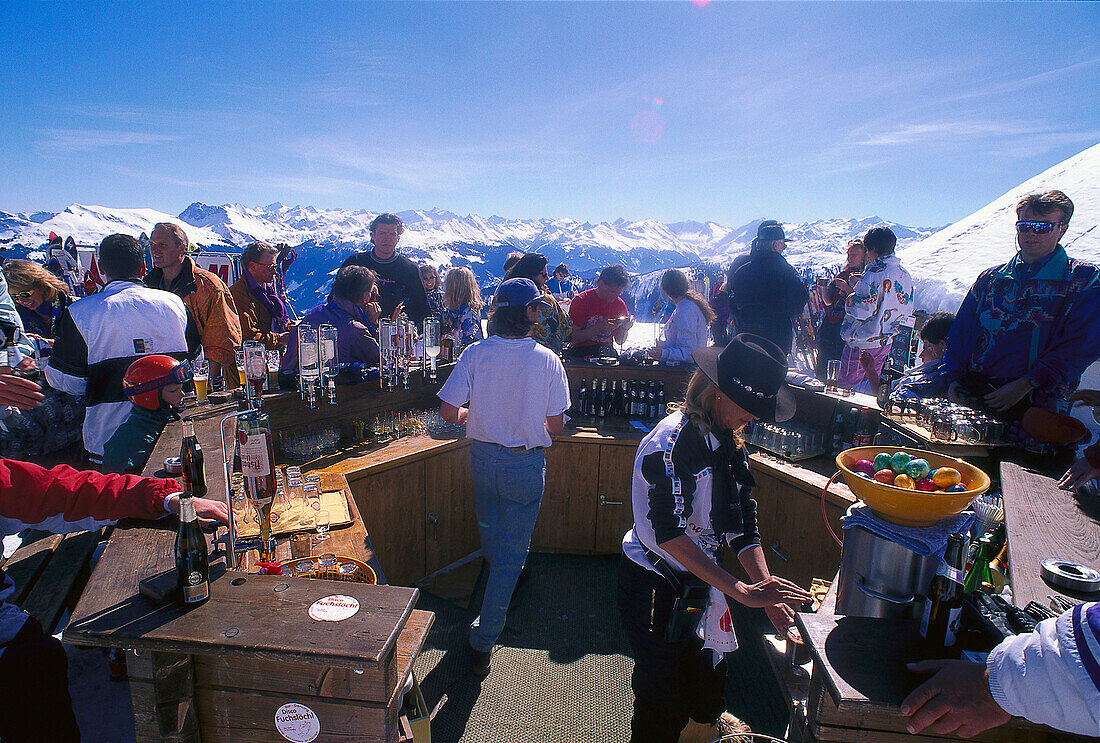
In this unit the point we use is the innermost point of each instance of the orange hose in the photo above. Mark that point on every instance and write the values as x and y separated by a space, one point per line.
824 516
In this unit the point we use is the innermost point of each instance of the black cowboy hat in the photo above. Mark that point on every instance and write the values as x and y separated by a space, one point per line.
751 371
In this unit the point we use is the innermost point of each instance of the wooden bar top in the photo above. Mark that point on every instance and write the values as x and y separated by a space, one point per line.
1044 521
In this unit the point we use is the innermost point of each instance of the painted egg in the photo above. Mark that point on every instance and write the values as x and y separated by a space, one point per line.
918 469
883 461
904 481
886 476
926 485
864 466
900 461
957 488
945 477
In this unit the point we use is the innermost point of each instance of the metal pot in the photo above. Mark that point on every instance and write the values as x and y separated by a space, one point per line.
880 578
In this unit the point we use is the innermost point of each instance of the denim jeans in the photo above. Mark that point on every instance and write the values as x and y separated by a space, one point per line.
507 492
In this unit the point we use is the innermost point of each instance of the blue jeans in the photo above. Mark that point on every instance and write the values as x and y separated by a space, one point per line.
507 491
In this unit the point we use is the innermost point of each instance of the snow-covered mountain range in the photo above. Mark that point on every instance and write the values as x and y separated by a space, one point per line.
944 261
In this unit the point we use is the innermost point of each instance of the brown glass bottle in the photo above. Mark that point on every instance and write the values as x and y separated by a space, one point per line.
940 624
191 457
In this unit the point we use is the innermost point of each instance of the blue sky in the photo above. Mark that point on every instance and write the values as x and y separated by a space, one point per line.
919 113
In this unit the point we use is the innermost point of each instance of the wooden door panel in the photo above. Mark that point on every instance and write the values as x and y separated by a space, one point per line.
450 517
392 506
567 517
614 513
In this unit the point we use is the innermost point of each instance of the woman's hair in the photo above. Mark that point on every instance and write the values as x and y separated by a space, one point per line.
699 405
460 288
352 282
529 266
675 284
511 322
852 244
427 271
22 276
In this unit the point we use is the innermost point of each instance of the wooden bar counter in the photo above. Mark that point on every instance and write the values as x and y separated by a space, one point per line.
250 663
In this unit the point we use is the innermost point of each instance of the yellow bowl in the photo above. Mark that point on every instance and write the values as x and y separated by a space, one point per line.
911 507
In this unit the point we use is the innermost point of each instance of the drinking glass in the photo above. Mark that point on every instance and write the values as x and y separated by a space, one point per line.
239 354
200 371
833 373
323 521
432 342
274 359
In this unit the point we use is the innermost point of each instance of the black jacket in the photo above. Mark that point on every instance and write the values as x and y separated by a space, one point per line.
398 281
766 295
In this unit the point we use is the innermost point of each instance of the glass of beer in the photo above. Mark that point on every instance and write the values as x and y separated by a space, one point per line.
239 353
200 371
832 375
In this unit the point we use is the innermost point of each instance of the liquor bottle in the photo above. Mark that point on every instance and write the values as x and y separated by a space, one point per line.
651 402
865 428
194 471
940 623
582 398
601 399
257 466
192 565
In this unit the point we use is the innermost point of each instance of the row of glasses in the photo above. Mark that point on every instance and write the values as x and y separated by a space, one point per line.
788 442
949 421
311 441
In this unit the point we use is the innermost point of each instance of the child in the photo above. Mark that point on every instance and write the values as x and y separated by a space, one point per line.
508 433
154 384
463 306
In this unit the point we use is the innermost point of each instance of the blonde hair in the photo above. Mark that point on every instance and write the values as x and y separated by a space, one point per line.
24 275
460 288
700 406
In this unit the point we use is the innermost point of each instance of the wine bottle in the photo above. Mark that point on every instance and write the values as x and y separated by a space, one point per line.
194 471
192 565
582 398
940 623
257 466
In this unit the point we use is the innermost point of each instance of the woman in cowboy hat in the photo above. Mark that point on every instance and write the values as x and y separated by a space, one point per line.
691 497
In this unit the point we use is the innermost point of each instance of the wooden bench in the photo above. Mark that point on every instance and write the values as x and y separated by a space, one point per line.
50 571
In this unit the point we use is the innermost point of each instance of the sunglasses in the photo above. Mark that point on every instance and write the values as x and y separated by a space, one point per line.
1039 228
23 295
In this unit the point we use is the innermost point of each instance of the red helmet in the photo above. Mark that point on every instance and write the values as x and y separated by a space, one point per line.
147 375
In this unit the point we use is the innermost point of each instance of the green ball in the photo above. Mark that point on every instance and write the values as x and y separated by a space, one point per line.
918 469
883 461
900 461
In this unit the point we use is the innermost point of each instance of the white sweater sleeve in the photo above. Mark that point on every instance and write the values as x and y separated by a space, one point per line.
1052 675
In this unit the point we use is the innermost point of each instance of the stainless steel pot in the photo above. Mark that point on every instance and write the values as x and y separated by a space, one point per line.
880 578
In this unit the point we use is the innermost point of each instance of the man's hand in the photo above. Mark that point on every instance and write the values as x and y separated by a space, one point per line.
953 393
373 311
209 511
955 700
18 392
397 310
781 617
1087 397
1079 473
1008 395
842 287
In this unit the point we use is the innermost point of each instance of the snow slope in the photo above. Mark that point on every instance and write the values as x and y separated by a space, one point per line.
90 224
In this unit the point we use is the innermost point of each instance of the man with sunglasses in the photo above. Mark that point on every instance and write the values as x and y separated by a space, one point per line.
1028 329
263 312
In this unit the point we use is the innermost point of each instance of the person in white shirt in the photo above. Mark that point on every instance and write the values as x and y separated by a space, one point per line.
686 329
511 393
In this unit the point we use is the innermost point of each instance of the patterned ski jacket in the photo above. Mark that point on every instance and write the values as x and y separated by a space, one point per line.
1045 326
880 302
63 500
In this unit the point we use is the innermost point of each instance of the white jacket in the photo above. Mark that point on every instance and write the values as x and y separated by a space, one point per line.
880 301
685 331
1052 675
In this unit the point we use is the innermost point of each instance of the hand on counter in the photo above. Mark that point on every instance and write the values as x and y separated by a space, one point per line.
209 511
955 700
1007 395
769 593
1081 471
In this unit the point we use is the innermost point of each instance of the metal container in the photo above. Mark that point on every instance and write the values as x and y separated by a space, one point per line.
880 578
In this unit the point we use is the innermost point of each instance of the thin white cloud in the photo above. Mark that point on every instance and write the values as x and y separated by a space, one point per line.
64 141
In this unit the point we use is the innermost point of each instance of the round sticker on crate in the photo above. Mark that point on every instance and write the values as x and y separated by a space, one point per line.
333 608
297 723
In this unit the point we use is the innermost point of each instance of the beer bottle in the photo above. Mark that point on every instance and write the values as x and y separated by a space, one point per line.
651 402
194 473
613 398
940 623
192 566
258 468
601 404
582 398
660 399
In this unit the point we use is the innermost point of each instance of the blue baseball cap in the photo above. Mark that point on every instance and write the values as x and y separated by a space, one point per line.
517 293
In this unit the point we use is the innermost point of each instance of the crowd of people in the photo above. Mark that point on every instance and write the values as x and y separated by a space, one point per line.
1021 340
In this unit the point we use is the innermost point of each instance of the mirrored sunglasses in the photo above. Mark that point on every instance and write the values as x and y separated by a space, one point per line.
1039 228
